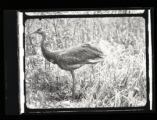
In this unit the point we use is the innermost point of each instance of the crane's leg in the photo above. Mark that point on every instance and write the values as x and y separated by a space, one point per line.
73 88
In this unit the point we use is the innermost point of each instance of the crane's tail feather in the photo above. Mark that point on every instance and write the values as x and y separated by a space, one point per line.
93 61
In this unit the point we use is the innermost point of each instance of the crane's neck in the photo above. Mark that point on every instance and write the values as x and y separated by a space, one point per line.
50 56
43 35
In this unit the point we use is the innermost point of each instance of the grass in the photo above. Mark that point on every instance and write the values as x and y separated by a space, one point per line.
101 85
118 81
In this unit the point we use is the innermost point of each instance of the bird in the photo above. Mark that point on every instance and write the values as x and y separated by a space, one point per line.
72 58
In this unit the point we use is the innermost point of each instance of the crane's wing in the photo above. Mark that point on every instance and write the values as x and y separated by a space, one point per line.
83 54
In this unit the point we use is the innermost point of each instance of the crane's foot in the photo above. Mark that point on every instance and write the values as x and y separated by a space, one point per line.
73 97
77 97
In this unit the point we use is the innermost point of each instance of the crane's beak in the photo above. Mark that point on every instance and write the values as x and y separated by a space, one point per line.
32 33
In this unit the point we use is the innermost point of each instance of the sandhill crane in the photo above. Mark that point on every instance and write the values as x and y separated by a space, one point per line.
72 58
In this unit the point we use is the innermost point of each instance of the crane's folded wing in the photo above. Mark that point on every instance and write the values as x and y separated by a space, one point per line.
79 55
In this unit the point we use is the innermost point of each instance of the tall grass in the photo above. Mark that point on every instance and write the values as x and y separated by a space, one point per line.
118 81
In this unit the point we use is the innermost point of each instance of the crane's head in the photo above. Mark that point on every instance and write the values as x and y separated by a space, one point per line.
39 31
